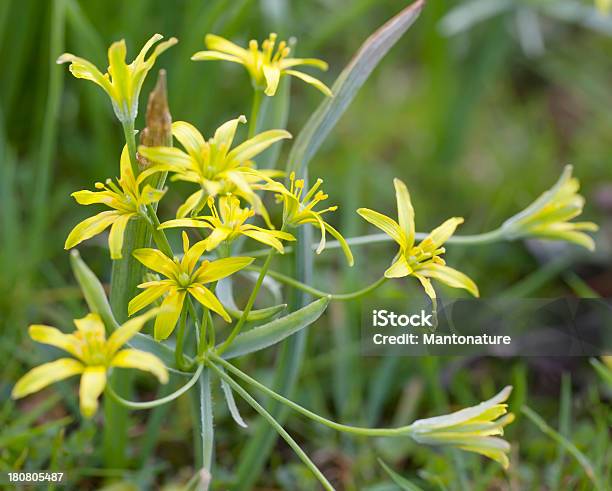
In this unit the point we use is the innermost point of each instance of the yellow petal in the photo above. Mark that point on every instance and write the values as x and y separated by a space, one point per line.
208 299
185 222
214 55
291 62
218 235
91 323
224 135
427 286
93 382
405 212
54 337
170 311
386 224
254 146
173 157
115 238
127 331
272 75
150 195
265 238
312 81
41 376
449 276
132 358
399 268
441 234
190 204
215 270
89 227
191 139
343 244
145 298
86 197
217 43
190 258
156 261
84 69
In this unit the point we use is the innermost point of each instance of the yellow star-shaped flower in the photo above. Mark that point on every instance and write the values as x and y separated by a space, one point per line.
422 261
127 201
182 278
122 82
228 224
94 356
212 164
265 66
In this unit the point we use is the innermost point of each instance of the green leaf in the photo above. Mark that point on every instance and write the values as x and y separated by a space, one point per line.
402 482
273 332
347 85
93 291
231 402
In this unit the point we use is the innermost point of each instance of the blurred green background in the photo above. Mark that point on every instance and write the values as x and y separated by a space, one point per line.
477 108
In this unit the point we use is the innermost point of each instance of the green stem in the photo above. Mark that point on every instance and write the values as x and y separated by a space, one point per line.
159 236
130 140
288 280
180 341
355 430
281 431
257 98
476 239
250 302
157 402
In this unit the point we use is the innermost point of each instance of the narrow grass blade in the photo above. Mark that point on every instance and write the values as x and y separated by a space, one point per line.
347 85
565 443
402 482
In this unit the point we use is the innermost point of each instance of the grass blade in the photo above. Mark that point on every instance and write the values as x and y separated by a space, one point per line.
347 85
565 443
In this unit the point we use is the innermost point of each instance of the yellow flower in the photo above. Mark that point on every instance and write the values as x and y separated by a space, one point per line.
230 224
212 165
182 277
473 429
127 201
299 210
265 67
548 216
122 82
422 261
95 356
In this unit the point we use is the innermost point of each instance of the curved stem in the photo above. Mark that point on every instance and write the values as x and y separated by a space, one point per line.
476 239
130 140
288 280
157 402
159 236
250 302
281 431
355 430
180 340
257 98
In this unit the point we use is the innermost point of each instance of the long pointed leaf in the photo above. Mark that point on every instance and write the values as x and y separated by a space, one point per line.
347 85
275 331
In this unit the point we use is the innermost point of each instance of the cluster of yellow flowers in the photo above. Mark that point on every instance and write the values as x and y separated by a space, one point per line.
229 187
